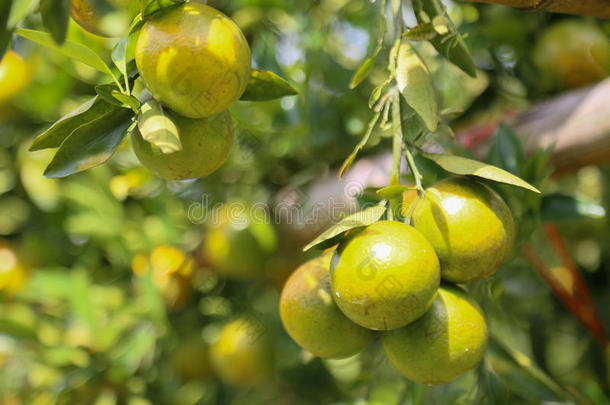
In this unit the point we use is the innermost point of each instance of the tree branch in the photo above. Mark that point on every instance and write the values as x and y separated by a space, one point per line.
595 8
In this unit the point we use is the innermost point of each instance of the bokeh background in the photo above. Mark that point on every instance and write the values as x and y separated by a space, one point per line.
114 283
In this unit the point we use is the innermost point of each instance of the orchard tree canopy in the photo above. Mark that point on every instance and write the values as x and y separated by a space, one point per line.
304 202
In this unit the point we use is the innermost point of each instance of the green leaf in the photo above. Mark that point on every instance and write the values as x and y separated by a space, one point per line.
415 84
265 85
55 18
124 50
559 207
375 95
359 219
126 100
5 30
363 71
20 10
463 166
395 191
90 144
53 137
158 128
350 159
70 49
506 150
450 44
105 92
153 6
422 31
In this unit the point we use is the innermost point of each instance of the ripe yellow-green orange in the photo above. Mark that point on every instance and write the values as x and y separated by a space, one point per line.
574 53
313 320
238 241
206 143
190 360
446 342
194 59
469 226
14 75
243 355
385 276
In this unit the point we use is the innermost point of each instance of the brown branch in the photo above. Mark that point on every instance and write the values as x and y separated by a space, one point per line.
595 8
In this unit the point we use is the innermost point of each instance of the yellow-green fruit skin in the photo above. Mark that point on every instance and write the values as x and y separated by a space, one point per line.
313 320
469 225
194 59
206 143
243 355
450 339
385 276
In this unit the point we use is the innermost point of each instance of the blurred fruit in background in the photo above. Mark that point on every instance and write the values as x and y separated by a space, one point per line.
239 240
13 275
243 354
191 359
14 75
106 18
574 53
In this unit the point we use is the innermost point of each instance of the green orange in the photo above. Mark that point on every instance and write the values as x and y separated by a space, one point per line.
14 75
450 339
206 143
574 53
469 225
313 320
194 59
385 276
243 355
190 360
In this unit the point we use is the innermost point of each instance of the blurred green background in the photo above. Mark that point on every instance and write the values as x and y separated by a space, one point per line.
114 283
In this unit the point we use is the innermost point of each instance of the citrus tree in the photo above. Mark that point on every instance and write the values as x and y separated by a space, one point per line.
296 202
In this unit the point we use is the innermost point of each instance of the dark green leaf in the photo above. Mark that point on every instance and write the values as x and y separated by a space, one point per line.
450 45
464 166
90 144
157 128
362 218
415 84
350 159
559 207
55 18
363 71
53 137
506 150
70 49
5 31
265 85
153 6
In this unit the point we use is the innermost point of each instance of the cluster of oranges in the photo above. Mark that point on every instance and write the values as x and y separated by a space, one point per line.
195 61
386 278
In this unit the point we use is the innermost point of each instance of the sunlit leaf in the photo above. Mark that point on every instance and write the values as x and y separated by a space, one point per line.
463 166
265 85
157 128
394 191
363 71
359 219
415 84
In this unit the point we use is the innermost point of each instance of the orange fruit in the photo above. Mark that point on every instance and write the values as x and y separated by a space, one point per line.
313 320
447 341
469 226
385 276
206 143
193 59
14 75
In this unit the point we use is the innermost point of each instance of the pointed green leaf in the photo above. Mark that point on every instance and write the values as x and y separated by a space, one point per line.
375 95
70 49
20 10
415 84
464 166
506 150
265 85
559 207
158 128
90 144
395 191
5 30
350 159
126 100
363 71
55 18
53 137
359 219
422 31
449 44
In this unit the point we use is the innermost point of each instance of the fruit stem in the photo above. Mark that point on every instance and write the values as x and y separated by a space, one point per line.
416 174
397 138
